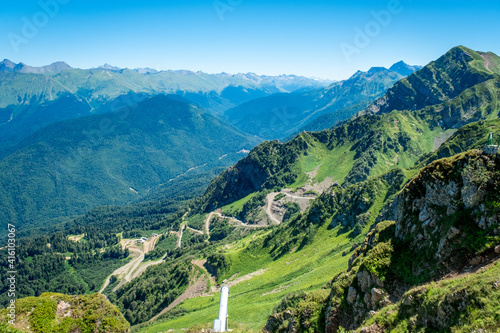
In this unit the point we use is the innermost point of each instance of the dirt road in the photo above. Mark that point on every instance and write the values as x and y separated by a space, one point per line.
133 269
181 231
270 199
195 231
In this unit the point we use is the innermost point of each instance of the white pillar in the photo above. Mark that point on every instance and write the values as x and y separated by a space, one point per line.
220 325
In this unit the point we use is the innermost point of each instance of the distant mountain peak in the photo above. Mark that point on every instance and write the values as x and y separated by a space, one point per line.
7 61
8 66
370 72
373 70
146 70
403 68
109 67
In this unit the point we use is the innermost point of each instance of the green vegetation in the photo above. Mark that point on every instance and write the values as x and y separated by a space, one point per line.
397 258
143 298
469 303
307 310
440 81
164 244
220 229
252 301
190 238
54 312
75 165
42 265
446 218
197 221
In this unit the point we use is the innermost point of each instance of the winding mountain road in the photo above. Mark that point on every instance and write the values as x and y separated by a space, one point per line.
270 199
135 267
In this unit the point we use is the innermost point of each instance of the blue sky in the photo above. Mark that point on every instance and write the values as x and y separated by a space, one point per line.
328 39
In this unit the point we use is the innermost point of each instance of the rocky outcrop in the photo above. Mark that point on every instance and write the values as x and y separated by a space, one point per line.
445 221
447 198
366 292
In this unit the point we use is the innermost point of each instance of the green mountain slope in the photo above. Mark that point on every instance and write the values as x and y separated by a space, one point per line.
371 157
282 115
289 263
70 167
369 144
34 116
441 80
334 188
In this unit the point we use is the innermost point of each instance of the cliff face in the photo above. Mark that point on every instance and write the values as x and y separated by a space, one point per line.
447 195
447 224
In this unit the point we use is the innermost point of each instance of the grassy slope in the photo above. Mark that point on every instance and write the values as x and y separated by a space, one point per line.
479 286
308 270
339 161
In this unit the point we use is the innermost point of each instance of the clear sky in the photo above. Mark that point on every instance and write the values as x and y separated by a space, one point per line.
328 39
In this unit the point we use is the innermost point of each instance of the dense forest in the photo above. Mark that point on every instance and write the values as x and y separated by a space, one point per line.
56 264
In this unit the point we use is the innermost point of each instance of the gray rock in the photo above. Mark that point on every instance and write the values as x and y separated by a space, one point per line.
351 295
367 298
364 280
377 281
452 233
424 215
377 295
452 209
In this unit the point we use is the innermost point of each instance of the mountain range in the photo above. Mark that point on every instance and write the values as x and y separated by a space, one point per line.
386 220
281 116
75 108
69 167
34 97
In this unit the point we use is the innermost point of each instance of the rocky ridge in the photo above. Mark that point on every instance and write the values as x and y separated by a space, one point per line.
446 223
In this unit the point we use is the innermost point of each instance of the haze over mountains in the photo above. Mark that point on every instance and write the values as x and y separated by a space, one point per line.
281 115
386 218
34 97
57 112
